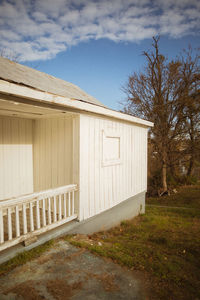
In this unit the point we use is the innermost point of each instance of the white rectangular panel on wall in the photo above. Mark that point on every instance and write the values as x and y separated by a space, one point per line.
52 153
113 163
111 148
16 157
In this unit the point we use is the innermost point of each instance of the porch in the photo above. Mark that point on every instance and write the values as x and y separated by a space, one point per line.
28 216
38 174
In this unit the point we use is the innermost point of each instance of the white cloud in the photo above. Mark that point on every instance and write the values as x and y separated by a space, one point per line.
9 35
40 17
41 29
7 11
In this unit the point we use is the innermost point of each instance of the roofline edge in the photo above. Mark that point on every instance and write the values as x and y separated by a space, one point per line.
9 88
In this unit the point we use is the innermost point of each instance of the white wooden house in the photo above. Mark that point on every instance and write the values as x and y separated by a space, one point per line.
64 156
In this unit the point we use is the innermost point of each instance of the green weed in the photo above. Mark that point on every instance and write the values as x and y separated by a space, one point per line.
24 257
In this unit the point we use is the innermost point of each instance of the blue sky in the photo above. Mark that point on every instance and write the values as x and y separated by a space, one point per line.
95 44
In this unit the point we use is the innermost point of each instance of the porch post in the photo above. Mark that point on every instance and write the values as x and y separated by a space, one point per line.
76 164
1 227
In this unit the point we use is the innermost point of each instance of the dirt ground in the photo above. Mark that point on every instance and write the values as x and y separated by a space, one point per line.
67 272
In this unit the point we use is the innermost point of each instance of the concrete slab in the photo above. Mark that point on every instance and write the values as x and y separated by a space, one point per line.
67 272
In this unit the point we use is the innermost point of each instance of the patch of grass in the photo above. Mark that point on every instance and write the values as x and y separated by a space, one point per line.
164 244
24 257
187 196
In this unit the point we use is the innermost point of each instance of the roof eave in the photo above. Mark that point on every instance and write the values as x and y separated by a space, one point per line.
9 88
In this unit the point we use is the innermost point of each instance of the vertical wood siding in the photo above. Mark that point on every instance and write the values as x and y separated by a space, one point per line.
102 187
53 160
16 157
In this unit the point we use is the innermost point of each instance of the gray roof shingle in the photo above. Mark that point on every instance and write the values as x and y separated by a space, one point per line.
20 74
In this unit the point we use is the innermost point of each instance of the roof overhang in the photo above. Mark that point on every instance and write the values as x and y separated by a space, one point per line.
40 97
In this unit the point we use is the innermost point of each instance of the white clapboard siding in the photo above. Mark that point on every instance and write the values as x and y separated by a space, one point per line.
16 157
53 145
104 186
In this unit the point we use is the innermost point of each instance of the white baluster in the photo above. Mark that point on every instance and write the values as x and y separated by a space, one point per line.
69 204
9 224
24 219
31 217
37 214
1 227
17 221
65 206
49 211
54 209
72 202
59 207
43 213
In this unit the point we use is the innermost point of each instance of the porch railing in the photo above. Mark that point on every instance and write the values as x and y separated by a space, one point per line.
24 217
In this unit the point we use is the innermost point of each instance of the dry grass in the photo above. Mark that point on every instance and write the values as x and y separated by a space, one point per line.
187 196
164 244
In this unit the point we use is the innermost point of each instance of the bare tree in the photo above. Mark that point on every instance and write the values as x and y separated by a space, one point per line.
189 93
11 55
154 94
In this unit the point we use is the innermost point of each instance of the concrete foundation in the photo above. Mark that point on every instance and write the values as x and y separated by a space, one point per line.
128 209
113 216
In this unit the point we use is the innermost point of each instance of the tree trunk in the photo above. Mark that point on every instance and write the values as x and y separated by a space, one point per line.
192 148
164 177
164 171
191 164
